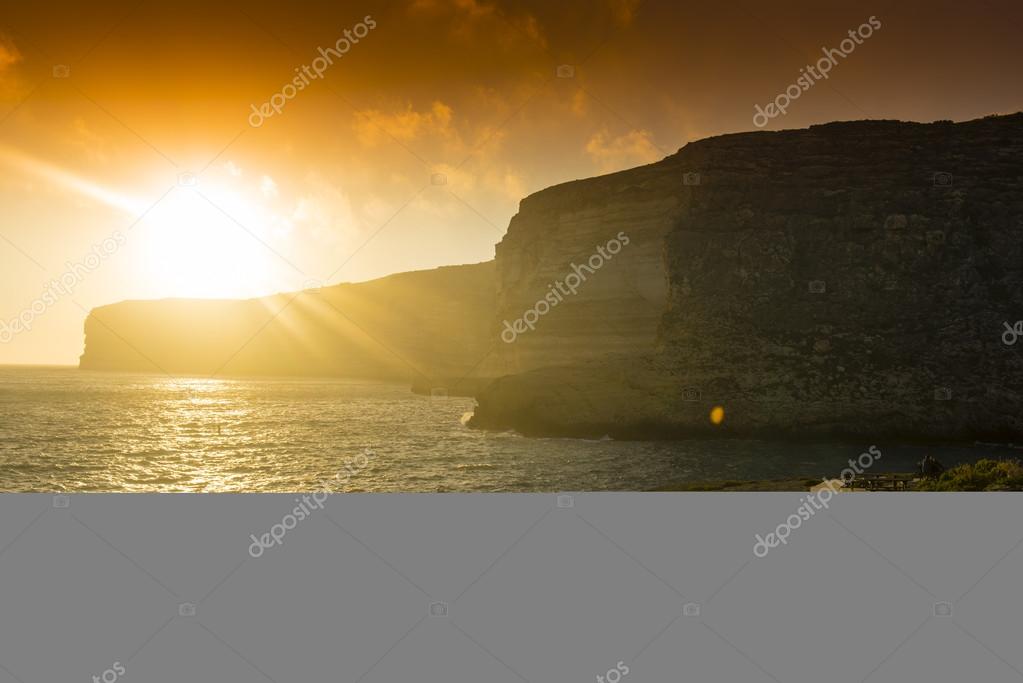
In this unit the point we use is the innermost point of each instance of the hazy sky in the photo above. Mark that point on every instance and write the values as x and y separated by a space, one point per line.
106 107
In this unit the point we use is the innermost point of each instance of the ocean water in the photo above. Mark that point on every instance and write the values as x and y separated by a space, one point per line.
62 429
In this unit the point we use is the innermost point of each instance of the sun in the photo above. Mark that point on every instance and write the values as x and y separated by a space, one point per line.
209 244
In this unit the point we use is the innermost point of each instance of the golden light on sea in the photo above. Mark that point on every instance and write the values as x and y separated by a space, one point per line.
717 415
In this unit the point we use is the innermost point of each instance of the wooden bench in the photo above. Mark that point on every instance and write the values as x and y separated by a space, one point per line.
882 481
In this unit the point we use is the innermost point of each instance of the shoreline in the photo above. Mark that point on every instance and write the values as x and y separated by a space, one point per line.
795 484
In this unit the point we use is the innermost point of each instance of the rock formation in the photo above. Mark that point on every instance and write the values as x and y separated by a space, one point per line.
617 306
848 280
428 327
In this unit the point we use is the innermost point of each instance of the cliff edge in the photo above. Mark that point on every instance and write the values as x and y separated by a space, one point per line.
426 327
847 280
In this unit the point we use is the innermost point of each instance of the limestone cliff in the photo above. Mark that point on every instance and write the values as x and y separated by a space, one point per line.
848 280
612 308
428 327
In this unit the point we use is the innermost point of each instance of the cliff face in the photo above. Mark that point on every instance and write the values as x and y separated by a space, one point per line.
829 282
820 282
557 251
430 327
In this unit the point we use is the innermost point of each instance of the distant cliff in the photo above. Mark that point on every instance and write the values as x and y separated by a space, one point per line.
848 280
428 327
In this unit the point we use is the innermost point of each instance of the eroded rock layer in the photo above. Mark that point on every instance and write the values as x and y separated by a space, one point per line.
851 279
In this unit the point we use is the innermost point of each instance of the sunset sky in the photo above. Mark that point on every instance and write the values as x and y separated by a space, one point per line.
106 109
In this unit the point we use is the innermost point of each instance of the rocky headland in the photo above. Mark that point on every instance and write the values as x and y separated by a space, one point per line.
423 327
847 280
850 280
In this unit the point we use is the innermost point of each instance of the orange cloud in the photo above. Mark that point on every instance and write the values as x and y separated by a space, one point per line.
472 19
9 54
469 7
624 10
373 125
616 153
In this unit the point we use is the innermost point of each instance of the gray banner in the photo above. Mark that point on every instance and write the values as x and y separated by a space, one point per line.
582 587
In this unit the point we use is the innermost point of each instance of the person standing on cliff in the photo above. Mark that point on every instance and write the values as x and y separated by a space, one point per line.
930 467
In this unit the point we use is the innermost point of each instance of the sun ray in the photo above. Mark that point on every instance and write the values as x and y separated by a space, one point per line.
22 162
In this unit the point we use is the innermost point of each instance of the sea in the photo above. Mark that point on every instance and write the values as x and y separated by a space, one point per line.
67 430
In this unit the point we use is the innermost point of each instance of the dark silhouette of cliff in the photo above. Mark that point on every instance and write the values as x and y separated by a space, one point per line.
847 280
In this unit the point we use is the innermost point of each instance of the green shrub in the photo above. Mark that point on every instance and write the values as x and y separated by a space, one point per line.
983 475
